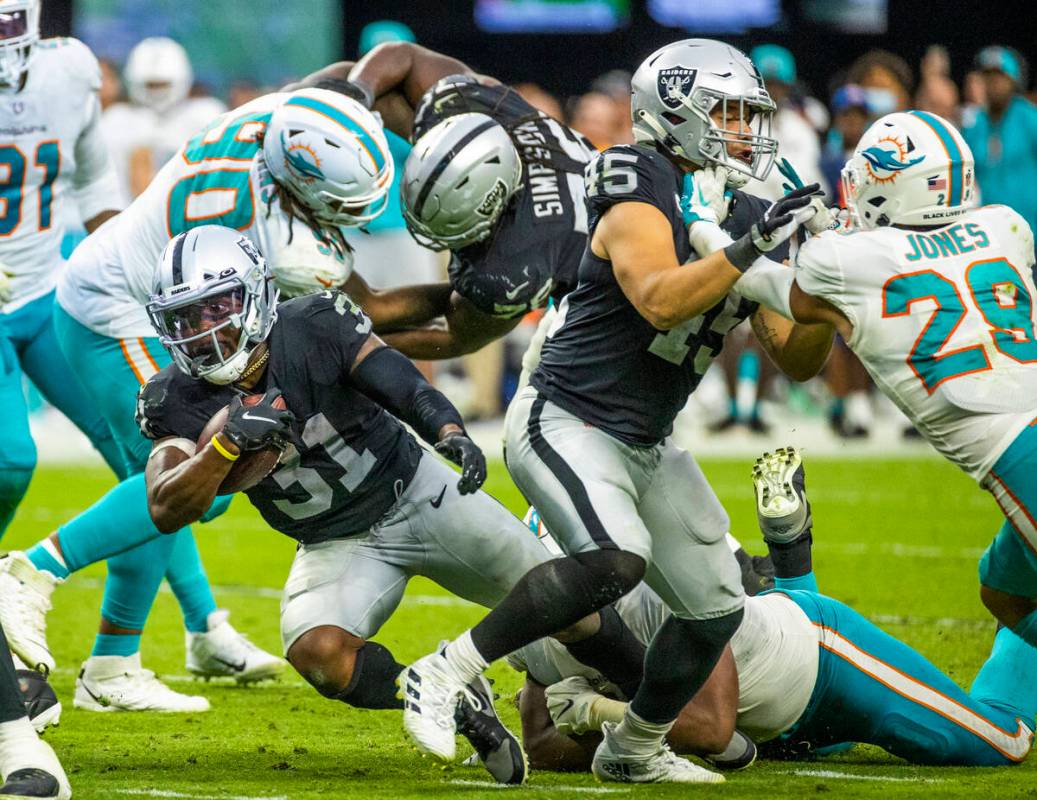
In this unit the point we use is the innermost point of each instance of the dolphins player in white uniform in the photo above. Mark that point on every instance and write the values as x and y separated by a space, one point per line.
51 156
806 673
287 169
936 297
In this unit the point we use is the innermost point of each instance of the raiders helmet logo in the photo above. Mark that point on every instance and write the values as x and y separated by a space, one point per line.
494 199
673 83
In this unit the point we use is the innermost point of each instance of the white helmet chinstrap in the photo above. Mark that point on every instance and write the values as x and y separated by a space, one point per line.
331 154
677 89
909 168
158 74
19 33
214 300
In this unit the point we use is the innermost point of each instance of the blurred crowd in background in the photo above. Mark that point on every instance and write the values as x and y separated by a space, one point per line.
152 104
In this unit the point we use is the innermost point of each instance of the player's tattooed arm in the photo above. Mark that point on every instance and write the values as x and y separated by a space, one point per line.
400 308
182 483
546 748
799 350
467 330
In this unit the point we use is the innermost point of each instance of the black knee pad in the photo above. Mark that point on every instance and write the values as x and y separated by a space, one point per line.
616 572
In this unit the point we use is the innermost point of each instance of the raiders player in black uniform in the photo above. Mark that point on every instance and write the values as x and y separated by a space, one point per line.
367 505
490 178
587 442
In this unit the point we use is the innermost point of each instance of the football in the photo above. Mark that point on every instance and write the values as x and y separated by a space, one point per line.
251 467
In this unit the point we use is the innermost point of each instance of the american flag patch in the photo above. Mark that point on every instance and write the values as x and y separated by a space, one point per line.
937 184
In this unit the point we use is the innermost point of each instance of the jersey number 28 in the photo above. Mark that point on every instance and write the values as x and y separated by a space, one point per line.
1000 296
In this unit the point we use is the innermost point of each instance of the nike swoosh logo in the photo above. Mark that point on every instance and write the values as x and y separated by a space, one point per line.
568 704
246 415
236 667
514 292
439 500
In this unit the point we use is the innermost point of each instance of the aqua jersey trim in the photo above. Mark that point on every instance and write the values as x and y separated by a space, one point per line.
957 182
343 119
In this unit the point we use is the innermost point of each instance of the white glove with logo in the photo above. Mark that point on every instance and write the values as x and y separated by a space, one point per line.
569 703
824 218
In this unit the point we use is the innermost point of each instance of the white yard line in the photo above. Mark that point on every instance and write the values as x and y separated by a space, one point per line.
545 788
828 773
187 796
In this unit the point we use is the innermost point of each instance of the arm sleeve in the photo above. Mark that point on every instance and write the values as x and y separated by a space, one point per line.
768 283
391 380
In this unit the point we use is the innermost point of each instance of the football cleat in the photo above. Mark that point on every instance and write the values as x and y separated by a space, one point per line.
499 750
431 690
222 652
41 704
35 783
782 507
662 766
24 602
740 754
32 768
118 683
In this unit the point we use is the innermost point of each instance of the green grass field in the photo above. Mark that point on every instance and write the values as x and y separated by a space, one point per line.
899 540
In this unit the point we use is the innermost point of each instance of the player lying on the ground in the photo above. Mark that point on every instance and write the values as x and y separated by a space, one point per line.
936 298
28 765
369 508
811 672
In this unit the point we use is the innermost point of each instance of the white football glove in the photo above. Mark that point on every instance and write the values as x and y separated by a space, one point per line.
824 218
705 197
569 703
6 289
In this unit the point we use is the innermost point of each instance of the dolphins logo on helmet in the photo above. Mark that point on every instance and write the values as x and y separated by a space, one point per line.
306 169
884 164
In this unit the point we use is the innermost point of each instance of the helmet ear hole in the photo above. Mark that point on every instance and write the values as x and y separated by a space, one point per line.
673 119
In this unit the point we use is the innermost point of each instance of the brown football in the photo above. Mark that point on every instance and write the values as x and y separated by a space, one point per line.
251 467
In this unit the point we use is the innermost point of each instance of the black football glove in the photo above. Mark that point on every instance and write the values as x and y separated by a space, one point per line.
783 218
461 450
257 426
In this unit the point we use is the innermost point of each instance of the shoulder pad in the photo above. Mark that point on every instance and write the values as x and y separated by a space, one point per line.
75 59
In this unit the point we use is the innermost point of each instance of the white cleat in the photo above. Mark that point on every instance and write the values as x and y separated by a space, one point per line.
782 507
24 602
31 768
118 683
431 689
222 652
662 766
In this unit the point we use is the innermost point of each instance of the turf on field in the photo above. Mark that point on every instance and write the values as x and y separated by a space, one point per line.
899 540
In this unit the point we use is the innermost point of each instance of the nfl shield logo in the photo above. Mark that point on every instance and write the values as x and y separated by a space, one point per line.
673 82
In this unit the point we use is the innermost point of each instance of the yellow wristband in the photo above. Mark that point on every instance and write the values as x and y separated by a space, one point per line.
223 451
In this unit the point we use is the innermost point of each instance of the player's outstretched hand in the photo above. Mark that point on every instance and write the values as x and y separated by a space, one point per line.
783 218
266 423
825 218
570 702
705 197
461 450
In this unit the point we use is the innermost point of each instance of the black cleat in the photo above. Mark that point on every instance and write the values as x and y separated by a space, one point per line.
30 783
499 750
743 756
41 704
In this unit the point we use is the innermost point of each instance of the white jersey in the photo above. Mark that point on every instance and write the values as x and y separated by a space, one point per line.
216 178
127 128
51 153
944 322
775 650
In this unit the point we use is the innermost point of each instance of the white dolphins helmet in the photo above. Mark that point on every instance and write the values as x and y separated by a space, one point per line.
331 154
19 32
675 90
158 73
909 168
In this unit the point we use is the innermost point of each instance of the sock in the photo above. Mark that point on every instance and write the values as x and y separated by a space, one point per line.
794 559
732 408
373 684
12 706
465 658
605 709
746 385
858 409
1026 628
46 557
1008 679
189 582
637 736
613 650
116 644
13 485
17 730
680 658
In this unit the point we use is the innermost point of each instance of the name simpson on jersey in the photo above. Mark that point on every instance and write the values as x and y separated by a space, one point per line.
543 180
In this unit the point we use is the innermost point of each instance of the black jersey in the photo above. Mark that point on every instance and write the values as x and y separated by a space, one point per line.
607 364
349 459
535 250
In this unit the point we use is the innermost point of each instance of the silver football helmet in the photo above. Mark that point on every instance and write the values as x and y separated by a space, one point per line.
678 87
213 301
458 180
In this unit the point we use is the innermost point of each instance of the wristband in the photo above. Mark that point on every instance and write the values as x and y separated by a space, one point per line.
223 451
742 253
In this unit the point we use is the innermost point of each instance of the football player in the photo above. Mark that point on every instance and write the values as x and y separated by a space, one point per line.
28 765
290 168
588 441
369 508
936 296
52 155
812 673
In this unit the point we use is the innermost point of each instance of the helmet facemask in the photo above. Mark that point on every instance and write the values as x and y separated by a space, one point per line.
19 33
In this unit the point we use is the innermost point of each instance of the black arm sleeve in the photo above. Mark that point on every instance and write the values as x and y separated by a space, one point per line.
390 379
